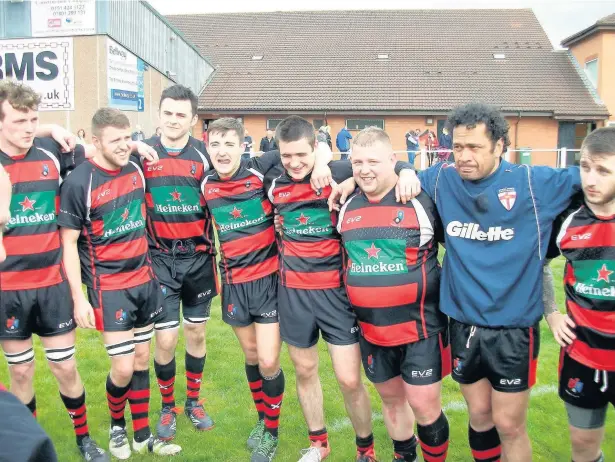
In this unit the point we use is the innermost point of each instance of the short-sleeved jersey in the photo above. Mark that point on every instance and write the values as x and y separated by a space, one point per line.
177 217
392 271
310 248
109 209
497 231
243 217
32 238
588 244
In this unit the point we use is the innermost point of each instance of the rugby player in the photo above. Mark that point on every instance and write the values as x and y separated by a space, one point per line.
102 226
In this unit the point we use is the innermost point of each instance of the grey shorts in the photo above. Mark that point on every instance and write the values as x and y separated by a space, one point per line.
586 419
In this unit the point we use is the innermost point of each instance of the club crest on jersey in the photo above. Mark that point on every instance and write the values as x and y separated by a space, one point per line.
398 218
193 169
319 192
248 184
231 310
575 385
134 180
163 289
457 365
507 197
45 171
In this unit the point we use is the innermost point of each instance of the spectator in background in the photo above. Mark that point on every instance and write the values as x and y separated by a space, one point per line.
158 131
445 140
81 136
342 141
432 145
204 136
247 145
412 144
268 142
328 132
138 134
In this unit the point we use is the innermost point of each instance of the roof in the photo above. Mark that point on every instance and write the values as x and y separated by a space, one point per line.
438 59
606 23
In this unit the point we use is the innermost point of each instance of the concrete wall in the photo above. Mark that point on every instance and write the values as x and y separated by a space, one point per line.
90 58
601 46
532 132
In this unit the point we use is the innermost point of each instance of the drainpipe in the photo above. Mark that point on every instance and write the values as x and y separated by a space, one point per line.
517 131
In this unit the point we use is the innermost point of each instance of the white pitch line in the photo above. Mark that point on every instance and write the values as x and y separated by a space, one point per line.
453 406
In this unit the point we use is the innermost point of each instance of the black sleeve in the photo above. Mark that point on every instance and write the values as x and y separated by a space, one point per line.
271 175
341 170
262 146
68 160
575 203
265 162
72 203
21 436
399 166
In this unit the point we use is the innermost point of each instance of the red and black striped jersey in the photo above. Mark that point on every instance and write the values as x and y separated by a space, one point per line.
178 221
32 238
310 247
109 209
588 243
392 272
243 217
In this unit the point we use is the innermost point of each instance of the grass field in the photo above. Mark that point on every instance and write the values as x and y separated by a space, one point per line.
230 405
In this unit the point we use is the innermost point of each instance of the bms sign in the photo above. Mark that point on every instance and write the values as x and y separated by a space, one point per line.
43 64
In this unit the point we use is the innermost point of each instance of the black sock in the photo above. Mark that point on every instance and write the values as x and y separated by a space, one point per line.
194 375
139 405
364 444
255 381
319 436
599 459
273 393
485 446
32 405
434 439
116 400
165 375
406 449
77 412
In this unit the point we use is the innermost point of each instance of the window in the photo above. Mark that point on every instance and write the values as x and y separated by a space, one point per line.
360 124
272 123
591 71
318 123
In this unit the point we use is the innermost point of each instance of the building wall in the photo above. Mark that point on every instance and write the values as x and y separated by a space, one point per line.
601 46
90 58
532 132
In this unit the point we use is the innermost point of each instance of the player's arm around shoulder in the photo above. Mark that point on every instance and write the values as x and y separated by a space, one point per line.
553 188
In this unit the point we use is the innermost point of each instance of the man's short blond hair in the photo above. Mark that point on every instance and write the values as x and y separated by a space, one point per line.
20 96
370 135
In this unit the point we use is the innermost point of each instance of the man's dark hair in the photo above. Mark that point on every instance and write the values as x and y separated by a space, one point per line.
473 114
295 128
108 117
225 125
180 93
600 142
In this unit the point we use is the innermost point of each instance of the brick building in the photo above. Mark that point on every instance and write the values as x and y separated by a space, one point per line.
401 70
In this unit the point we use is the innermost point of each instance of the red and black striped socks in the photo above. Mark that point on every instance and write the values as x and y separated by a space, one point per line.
77 412
165 375
406 450
365 445
116 400
194 375
485 445
434 439
138 397
319 437
255 381
273 393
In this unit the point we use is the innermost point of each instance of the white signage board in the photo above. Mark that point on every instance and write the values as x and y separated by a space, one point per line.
53 18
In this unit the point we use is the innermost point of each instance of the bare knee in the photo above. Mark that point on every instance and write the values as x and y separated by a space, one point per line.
426 410
22 374
141 360
585 444
268 366
65 371
350 384
121 374
195 334
166 341
481 415
306 370
509 428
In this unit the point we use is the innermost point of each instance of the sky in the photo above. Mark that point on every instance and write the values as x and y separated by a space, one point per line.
559 18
